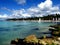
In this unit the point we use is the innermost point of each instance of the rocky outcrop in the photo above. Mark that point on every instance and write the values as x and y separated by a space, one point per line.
55 30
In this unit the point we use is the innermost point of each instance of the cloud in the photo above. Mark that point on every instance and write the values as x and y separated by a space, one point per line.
20 13
4 8
44 8
5 16
21 1
45 5
48 8
34 12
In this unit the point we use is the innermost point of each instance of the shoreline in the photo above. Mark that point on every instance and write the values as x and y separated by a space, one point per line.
37 20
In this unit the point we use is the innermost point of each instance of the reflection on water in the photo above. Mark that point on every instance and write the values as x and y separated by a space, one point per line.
20 29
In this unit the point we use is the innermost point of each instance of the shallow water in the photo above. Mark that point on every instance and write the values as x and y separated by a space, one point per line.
10 30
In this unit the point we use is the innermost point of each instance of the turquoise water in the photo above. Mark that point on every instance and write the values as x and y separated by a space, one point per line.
10 30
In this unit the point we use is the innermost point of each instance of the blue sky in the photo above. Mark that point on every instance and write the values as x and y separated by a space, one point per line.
28 8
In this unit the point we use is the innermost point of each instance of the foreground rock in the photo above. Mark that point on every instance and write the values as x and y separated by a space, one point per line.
29 40
55 30
33 40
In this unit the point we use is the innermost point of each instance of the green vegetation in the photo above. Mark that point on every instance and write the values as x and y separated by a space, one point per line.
50 17
30 18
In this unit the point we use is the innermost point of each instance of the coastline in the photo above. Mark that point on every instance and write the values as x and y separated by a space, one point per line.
37 20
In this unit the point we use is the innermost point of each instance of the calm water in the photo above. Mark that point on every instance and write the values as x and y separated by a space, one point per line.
10 30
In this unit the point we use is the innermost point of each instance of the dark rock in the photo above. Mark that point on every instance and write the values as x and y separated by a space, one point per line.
13 42
35 29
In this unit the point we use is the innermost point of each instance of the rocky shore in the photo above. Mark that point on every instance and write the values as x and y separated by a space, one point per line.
33 40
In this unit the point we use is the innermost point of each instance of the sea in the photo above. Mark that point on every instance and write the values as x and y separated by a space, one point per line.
10 30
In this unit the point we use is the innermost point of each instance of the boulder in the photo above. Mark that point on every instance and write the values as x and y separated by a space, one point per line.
31 39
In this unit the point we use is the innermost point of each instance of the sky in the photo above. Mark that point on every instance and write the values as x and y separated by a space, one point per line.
28 8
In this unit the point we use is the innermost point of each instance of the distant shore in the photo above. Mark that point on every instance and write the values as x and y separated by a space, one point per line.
37 20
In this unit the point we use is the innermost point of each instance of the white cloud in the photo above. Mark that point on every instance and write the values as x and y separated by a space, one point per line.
47 4
54 8
21 1
5 16
44 8
34 11
47 7
26 15
4 8
20 14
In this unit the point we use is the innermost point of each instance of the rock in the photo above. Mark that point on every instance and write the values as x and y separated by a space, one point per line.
31 38
13 42
59 38
17 42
